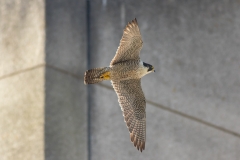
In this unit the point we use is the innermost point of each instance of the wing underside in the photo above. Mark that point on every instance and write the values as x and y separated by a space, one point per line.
130 44
133 104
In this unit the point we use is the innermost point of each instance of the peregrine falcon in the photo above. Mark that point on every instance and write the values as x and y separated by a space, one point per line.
125 72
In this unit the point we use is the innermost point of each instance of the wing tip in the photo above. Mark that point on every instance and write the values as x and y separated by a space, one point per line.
130 24
135 20
140 145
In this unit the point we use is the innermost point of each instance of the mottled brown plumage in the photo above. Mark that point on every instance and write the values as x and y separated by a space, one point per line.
125 72
130 44
94 75
133 104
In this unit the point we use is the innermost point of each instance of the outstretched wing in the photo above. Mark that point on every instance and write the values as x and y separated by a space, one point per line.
133 104
130 44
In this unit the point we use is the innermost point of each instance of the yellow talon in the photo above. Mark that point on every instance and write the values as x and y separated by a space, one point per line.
105 76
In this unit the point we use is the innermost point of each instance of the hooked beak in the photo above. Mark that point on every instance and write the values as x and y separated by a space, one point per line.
151 68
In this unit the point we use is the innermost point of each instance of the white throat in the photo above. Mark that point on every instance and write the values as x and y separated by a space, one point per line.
142 70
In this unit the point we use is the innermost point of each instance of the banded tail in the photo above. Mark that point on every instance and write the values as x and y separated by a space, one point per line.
96 75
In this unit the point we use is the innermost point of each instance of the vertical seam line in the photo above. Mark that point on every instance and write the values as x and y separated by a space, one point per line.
88 87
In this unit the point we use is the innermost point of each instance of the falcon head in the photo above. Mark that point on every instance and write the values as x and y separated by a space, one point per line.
149 67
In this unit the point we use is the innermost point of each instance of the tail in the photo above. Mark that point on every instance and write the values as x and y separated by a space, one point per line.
96 75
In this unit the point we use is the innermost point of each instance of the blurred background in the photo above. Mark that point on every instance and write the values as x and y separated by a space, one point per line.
193 98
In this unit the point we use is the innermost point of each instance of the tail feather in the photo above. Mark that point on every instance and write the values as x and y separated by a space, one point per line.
93 75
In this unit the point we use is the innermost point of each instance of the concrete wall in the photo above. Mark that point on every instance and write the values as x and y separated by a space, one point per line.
43 98
22 80
66 95
192 99
194 95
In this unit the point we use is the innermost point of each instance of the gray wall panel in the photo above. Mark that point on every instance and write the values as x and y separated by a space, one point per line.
66 35
66 95
194 47
169 136
65 117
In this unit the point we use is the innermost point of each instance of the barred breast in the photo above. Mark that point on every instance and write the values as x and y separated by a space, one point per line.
131 69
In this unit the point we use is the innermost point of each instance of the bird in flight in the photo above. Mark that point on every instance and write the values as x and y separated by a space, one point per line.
125 72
